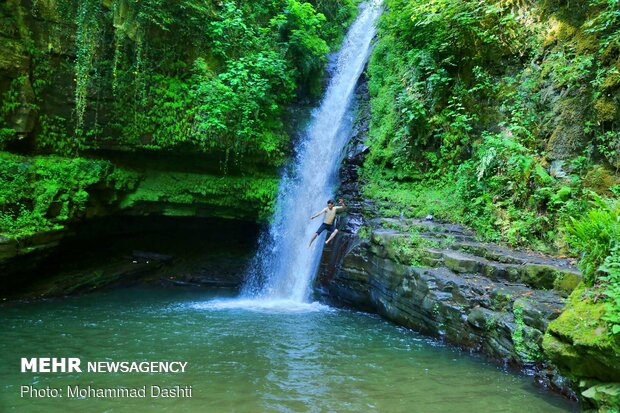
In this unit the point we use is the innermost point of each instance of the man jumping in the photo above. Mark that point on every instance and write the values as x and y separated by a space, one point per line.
328 222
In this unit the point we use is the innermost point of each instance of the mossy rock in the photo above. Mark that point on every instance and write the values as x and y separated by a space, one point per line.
539 276
13 58
612 81
546 277
48 10
483 318
603 395
501 299
558 30
605 109
568 137
191 194
408 250
600 180
578 341
566 281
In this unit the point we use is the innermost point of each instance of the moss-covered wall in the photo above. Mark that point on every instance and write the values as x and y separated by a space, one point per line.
502 115
182 194
152 107
120 74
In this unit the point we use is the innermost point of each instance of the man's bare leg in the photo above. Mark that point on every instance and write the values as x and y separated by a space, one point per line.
312 240
331 237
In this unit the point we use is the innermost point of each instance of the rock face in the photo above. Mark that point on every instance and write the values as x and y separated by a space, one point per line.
579 343
180 251
440 281
66 193
48 178
436 278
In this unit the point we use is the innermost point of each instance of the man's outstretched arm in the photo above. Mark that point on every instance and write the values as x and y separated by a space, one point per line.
341 202
317 214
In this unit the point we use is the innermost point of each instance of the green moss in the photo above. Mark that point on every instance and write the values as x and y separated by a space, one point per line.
408 249
611 81
12 54
607 394
413 200
606 110
547 277
578 341
566 282
540 276
178 193
579 344
600 180
500 299
558 30
581 322
46 192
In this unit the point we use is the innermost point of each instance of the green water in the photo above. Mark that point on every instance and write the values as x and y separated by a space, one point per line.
315 359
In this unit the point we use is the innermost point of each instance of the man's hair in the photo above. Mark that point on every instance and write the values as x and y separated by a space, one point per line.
330 202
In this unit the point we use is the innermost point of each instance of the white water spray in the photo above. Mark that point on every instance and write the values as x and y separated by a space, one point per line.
284 267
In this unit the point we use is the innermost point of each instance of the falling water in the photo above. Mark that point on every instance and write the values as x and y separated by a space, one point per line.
284 266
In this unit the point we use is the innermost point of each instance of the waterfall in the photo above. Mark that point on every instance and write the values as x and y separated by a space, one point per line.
284 266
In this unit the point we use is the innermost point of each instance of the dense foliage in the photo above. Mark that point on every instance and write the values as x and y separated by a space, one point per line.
596 236
43 193
152 76
503 115
483 113
211 75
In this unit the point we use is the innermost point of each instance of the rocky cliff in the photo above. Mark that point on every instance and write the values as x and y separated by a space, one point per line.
518 307
179 109
437 279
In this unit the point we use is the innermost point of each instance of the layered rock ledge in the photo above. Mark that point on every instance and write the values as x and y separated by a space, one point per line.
438 279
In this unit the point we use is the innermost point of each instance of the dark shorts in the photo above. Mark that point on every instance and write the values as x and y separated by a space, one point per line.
328 227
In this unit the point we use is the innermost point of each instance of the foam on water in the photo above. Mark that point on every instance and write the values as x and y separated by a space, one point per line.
264 306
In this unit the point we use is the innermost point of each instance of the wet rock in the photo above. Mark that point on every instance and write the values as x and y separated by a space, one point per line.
549 377
538 311
355 156
482 318
483 298
603 394
24 253
579 344
436 278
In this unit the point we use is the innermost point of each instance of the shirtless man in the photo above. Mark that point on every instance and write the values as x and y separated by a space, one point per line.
328 222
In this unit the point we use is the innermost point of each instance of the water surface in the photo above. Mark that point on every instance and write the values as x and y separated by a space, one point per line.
250 358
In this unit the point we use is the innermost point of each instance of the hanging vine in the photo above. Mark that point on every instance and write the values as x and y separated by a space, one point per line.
119 45
87 40
139 78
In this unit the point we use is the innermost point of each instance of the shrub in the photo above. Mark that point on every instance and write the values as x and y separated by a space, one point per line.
595 235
